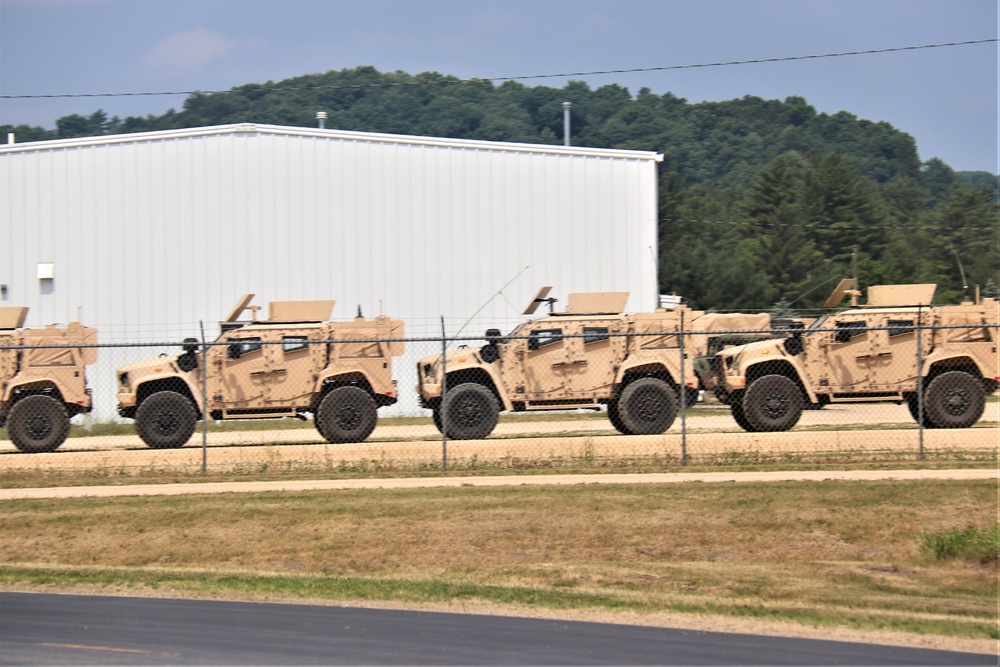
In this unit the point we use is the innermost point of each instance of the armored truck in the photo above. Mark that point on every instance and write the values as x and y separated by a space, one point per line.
870 354
42 387
291 364
589 356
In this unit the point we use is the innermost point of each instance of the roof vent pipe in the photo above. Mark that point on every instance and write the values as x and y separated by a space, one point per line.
321 117
10 137
566 107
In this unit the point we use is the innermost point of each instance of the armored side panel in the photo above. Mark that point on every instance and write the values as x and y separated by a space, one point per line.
588 303
361 329
299 311
892 296
12 317
733 322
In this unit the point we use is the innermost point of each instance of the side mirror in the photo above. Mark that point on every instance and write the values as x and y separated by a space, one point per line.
235 351
190 345
493 335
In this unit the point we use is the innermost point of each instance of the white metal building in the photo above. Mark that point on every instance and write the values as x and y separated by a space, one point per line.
146 235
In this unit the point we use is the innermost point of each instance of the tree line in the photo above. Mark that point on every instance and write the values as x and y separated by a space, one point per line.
763 203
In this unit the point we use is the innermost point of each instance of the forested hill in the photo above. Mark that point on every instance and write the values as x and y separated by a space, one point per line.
763 202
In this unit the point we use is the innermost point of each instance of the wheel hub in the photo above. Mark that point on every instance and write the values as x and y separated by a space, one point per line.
166 423
775 405
468 412
647 407
38 426
957 402
348 417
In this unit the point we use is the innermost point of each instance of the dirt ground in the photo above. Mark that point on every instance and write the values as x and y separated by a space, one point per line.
712 433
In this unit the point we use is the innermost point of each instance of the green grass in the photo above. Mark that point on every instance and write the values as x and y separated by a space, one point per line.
971 543
831 554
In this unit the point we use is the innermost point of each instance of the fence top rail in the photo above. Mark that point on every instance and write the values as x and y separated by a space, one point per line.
775 332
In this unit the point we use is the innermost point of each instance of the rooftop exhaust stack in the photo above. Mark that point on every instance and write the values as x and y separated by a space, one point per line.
566 107
321 117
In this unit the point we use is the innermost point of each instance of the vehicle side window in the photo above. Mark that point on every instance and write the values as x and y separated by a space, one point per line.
848 330
594 334
900 327
294 343
242 346
544 337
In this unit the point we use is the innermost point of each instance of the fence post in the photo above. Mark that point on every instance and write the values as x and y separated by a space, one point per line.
920 385
683 398
204 401
444 389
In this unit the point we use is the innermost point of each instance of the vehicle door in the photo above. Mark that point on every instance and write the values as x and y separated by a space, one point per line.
592 354
292 364
847 355
238 379
543 357
894 352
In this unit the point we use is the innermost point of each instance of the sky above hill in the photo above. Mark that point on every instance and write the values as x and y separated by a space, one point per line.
945 97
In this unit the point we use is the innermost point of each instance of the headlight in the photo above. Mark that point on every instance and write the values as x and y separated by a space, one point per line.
123 380
732 362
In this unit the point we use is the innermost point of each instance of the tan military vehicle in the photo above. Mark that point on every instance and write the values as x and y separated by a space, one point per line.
266 370
869 354
580 358
43 387
716 331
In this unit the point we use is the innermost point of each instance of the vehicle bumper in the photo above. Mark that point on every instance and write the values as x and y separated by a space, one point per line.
733 383
126 401
429 391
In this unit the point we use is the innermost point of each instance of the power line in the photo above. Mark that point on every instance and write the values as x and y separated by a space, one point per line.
633 70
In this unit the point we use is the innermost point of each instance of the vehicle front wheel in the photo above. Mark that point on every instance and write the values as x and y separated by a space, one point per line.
736 409
37 424
472 411
165 420
616 419
346 414
773 403
954 400
436 417
647 406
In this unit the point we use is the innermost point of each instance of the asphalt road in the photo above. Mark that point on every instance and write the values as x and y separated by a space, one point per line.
45 629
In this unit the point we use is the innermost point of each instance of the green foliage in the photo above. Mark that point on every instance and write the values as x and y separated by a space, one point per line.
761 201
981 545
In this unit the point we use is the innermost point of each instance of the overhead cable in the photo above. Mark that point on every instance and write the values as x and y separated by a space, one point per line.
664 68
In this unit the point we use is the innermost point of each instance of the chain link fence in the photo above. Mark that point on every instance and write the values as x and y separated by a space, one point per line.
297 399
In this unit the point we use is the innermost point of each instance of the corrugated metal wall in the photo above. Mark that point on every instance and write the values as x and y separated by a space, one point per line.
152 233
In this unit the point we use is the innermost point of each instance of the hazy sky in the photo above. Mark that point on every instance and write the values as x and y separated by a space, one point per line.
944 97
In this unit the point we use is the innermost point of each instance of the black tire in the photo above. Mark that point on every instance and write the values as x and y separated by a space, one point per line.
913 405
647 406
773 403
436 416
165 420
736 409
472 411
690 396
954 400
37 424
616 419
346 414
